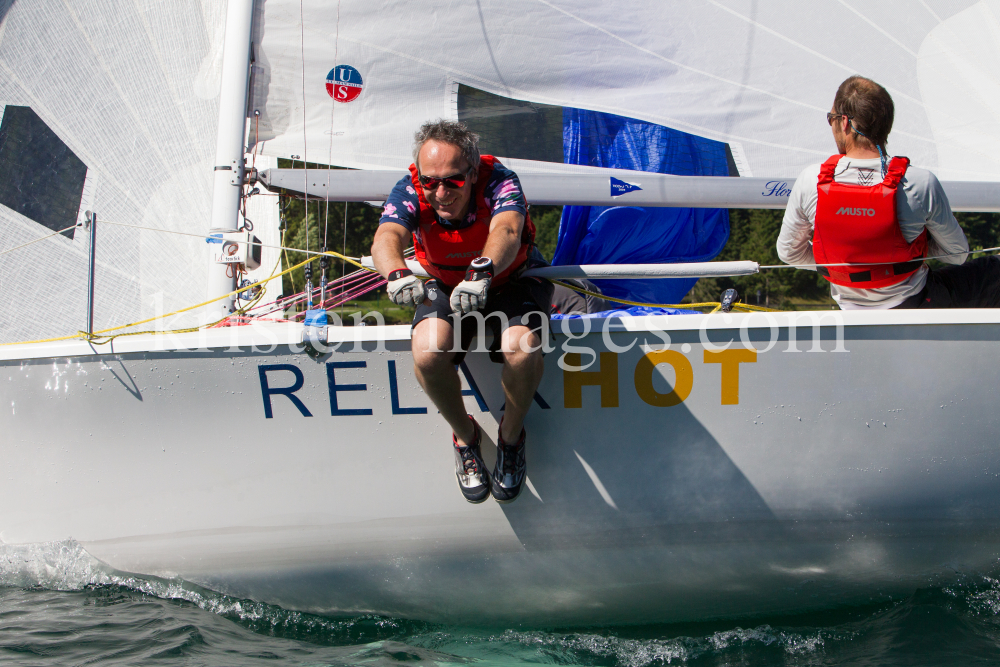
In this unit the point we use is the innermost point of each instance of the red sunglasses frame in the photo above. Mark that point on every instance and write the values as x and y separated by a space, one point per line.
453 182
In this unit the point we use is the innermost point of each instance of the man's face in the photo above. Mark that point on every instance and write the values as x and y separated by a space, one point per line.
839 132
440 160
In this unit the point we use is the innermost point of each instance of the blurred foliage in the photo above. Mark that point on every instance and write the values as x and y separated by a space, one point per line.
546 219
753 234
327 227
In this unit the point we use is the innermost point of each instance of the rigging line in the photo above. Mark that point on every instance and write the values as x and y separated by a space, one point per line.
333 108
166 315
202 236
343 266
705 304
24 245
305 148
814 266
355 260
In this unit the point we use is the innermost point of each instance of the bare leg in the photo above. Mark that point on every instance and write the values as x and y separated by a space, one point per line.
522 373
437 375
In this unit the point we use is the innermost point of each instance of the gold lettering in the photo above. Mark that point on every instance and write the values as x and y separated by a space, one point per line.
606 379
730 361
683 381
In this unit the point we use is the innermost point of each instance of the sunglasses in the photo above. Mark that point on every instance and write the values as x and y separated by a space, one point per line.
454 181
831 116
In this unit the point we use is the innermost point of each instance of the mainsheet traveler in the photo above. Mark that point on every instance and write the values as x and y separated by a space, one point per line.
471 231
881 216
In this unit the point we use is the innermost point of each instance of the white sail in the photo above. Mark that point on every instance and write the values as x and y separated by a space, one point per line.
758 76
126 93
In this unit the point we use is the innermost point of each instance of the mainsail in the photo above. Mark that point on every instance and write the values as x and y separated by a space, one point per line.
756 75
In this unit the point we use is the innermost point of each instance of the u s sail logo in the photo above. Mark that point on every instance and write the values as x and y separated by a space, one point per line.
344 83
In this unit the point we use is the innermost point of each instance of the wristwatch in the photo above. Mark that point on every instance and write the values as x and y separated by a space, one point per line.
480 269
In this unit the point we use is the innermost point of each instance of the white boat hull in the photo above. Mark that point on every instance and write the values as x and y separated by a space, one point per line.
835 477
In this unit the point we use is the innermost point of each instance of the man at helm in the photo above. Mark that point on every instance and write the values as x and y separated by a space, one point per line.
878 218
472 233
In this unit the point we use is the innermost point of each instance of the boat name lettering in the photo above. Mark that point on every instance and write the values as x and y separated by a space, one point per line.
776 189
606 377
288 379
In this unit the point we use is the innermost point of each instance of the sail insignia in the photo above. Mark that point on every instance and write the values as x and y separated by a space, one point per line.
620 187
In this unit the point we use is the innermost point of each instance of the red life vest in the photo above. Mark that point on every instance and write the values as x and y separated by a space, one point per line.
446 253
857 224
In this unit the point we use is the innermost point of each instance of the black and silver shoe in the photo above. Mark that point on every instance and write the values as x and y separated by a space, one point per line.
470 469
510 469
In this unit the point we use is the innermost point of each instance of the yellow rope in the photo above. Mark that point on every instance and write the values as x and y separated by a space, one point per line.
93 337
715 305
102 340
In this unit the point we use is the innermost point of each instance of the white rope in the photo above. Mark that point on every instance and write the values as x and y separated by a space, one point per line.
200 236
816 266
25 245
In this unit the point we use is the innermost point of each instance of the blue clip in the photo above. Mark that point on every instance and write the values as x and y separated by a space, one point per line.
315 318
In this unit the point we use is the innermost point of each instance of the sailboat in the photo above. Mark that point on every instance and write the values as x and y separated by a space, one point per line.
680 467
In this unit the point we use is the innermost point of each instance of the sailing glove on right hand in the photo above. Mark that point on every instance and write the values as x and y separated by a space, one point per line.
405 288
470 294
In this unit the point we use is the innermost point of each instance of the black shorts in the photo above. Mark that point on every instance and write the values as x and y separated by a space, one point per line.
975 284
524 302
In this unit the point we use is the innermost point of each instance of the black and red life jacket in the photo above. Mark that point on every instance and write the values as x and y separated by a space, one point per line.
446 253
857 224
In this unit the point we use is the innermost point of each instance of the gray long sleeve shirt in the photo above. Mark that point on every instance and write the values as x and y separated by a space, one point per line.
920 203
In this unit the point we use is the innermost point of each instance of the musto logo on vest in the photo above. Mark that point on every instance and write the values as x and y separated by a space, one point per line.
344 83
845 210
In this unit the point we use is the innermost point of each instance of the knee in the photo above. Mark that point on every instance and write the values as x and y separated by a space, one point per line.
431 362
525 361
431 346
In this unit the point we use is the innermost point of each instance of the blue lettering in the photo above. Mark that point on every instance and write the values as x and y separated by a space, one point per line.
266 390
777 189
538 399
394 395
335 410
473 389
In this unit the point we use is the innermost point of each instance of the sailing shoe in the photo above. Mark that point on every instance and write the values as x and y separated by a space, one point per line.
510 469
470 469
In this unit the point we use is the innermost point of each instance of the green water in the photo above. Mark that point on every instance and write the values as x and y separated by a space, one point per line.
179 624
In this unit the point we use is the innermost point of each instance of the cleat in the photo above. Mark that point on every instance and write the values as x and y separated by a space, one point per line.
470 469
510 469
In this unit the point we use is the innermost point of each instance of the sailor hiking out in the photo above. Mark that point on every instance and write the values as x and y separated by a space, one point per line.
471 231
878 218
